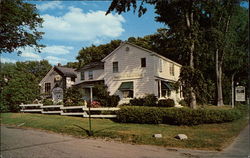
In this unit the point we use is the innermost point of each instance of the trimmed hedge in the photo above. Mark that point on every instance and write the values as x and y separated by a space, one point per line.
175 116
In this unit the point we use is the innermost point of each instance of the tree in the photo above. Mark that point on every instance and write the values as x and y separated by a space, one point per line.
16 87
163 42
19 83
18 26
96 53
222 36
73 65
36 68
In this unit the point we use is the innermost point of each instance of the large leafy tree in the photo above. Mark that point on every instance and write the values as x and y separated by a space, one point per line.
19 83
96 53
37 68
223 31
18 25
163 42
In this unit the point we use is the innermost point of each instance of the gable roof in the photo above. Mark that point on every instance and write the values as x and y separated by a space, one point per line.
65 71
149 51
94 65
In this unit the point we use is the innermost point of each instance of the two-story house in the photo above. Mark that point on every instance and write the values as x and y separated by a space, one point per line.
131 71
56 81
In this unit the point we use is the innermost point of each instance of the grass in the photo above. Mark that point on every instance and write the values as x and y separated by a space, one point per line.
207 136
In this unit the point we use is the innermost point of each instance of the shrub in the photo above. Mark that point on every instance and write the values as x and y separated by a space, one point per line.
47 102
102 96
113 100
95 104
176 116
166 103
150 100
137 102
59 103
133 114
72 96
244 109
183 103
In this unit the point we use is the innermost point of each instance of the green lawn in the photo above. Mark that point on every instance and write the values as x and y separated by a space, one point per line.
208 136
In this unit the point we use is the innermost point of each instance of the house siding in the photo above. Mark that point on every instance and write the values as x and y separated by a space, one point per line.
97 75
50 78
166 76
64 83
165 73
129 69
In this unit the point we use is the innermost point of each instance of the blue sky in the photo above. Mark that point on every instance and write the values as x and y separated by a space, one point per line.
71 25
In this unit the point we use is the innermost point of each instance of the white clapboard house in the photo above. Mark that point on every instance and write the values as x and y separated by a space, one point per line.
131 71
57 80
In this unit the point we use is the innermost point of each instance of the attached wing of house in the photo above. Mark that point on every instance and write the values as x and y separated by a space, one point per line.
58 76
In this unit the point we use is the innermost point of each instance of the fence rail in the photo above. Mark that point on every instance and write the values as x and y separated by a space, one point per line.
63 110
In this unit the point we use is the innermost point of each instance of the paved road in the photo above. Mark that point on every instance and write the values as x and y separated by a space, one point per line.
27 143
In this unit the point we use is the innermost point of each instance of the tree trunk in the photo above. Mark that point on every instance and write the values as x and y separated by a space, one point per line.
189 22
218 66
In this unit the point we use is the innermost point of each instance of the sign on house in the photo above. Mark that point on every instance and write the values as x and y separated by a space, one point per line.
57 94
240 93
130 76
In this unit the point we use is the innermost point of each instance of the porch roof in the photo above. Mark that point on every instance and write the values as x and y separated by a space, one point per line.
166 85
88 82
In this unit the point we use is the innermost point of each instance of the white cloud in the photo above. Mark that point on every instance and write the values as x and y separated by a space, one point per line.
77 25
7 60
55 49
50 5
55 60
28 52
30 55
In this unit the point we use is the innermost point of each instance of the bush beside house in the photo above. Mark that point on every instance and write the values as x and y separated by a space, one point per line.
151 101
176 116
73 97
102 95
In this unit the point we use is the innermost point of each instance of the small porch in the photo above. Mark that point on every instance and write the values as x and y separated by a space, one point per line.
87 88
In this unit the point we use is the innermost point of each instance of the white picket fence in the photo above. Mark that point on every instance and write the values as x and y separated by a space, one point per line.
40 108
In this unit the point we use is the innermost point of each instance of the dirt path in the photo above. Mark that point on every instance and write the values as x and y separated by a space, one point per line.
26 143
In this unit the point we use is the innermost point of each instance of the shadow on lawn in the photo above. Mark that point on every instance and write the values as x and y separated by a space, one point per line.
91 133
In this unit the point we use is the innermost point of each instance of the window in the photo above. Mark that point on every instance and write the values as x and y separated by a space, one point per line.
171 69
143 62
73 79
127 89
165 93
160 65
115 67
128 94
47 87
82 76
90 75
